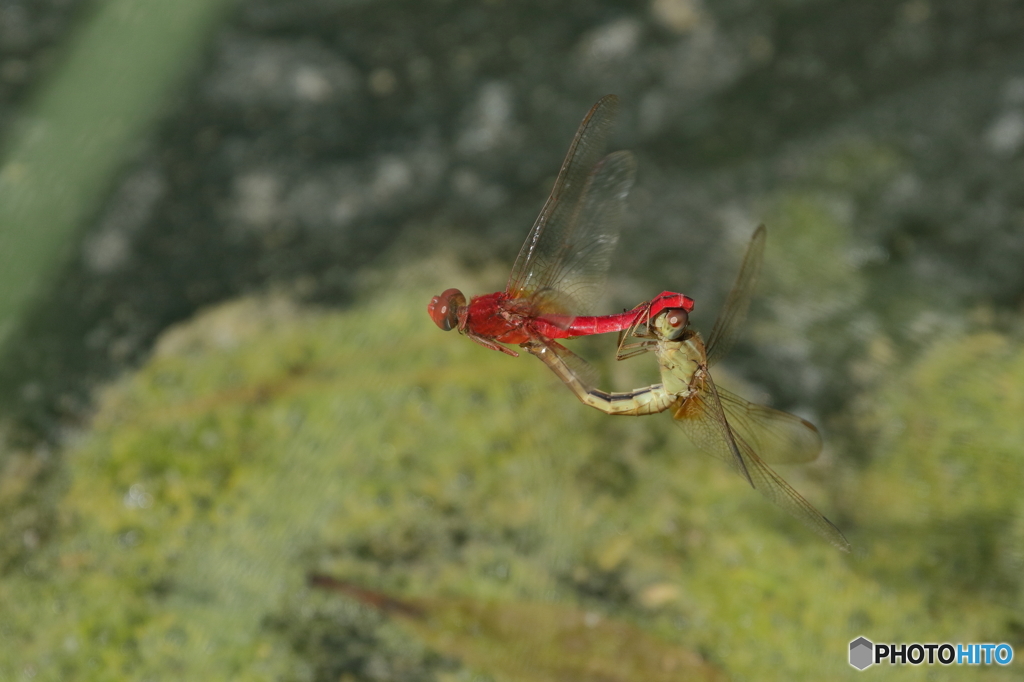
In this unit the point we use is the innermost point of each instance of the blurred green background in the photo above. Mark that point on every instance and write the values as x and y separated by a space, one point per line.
220 224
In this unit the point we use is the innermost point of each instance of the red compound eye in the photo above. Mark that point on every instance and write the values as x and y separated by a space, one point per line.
444 309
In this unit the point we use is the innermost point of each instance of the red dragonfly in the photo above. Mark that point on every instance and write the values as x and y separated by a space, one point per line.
561 266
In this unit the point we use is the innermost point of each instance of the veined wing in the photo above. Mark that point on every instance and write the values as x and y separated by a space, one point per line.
777 437
734 311
563 261
702 418
575 269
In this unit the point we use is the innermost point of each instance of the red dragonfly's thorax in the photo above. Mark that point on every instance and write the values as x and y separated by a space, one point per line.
495 316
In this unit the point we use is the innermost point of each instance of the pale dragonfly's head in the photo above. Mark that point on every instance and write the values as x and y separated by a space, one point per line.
670 324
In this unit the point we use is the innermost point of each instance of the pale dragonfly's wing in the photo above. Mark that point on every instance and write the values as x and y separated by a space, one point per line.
562 265
777 437
734 311
702 417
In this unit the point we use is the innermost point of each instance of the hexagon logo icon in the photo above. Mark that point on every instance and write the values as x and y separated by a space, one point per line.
860 653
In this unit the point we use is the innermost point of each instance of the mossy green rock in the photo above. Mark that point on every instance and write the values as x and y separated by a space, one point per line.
263 441
941 501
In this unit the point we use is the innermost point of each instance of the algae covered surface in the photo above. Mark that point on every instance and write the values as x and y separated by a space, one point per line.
264 441
166 491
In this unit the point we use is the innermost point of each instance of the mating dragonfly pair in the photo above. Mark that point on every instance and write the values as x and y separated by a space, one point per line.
561 268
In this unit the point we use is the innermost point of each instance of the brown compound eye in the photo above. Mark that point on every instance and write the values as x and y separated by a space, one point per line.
444 309
677 320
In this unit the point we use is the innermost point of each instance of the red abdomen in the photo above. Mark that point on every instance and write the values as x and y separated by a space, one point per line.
497 317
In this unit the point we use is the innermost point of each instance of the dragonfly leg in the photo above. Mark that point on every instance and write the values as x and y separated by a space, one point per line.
487 343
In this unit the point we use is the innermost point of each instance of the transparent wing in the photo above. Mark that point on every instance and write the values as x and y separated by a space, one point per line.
702 418
778 437
563 261
723 334
574 269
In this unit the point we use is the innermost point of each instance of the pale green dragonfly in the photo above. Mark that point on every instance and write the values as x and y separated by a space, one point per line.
721 423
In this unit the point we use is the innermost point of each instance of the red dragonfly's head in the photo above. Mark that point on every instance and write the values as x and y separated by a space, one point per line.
448 311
